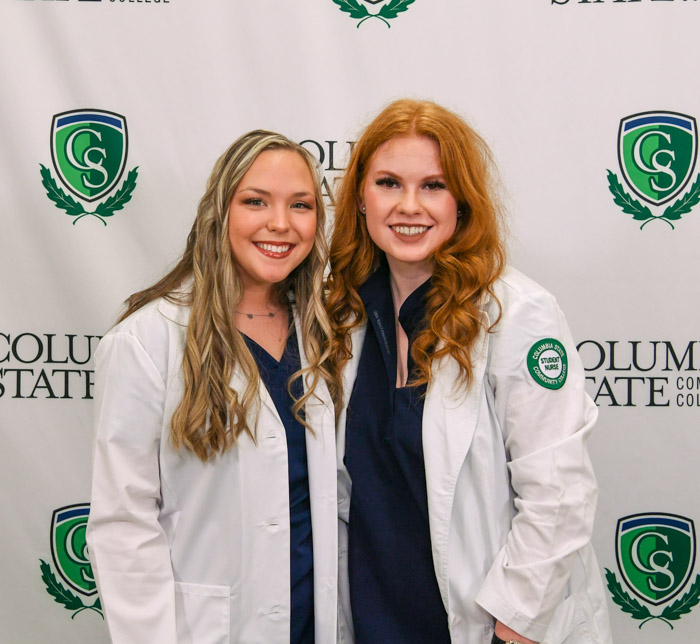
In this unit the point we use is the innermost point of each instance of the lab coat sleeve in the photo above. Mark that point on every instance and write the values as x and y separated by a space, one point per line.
128 547
545 432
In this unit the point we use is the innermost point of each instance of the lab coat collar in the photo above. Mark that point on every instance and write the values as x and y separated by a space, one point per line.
177 312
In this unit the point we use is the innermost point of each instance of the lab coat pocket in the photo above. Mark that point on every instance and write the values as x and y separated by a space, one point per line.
573 622
203 613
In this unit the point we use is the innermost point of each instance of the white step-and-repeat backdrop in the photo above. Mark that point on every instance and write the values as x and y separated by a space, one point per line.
590 107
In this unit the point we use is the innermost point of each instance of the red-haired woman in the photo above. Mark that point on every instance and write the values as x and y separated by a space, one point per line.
464 480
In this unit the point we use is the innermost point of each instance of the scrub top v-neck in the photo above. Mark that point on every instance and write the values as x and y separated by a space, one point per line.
275 377
393 589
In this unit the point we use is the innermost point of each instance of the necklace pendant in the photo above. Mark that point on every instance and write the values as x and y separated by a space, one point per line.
250 316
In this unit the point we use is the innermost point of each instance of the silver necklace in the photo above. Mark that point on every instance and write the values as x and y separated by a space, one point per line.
256 315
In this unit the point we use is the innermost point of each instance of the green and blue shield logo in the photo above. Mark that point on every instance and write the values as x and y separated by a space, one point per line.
657 152
69 548
88 149
656 557
70 558
655 554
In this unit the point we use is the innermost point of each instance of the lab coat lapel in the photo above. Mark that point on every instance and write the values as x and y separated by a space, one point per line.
357 338
239 383
449 422
321 416
320 457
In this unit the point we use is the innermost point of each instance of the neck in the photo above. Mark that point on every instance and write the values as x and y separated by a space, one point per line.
257 300
406 278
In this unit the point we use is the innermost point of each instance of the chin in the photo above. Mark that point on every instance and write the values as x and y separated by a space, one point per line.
273 280
411 258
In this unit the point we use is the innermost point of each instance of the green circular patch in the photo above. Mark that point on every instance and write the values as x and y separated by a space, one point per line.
547 363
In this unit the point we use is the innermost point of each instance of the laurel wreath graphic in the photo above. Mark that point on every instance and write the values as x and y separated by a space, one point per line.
670 613
640 212
685 203
389 11
63 596
105 209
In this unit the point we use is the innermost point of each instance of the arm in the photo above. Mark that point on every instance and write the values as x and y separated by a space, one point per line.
545 429
128 547
506 634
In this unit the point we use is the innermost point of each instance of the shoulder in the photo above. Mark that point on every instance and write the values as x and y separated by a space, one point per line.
514 286
526 312
517 297
149 334
153 321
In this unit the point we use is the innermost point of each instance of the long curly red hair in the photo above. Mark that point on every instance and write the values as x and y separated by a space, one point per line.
465 266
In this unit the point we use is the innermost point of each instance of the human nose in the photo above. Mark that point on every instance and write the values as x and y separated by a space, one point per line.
409 202
279 219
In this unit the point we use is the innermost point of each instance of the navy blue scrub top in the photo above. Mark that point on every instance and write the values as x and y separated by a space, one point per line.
275 376
394 594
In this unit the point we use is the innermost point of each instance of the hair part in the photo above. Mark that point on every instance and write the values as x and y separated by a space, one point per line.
212 415
465 266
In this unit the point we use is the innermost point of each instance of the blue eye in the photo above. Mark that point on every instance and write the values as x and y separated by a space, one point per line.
253 201
302 204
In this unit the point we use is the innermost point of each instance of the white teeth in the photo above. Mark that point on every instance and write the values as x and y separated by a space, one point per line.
409 230
273 248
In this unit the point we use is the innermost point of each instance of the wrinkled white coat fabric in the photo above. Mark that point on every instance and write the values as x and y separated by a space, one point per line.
187 552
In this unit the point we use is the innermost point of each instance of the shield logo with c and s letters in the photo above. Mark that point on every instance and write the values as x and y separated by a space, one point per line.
69 547
657 153
89 149
655 554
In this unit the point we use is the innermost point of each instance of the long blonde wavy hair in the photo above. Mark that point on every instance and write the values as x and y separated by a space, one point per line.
212 415
465 266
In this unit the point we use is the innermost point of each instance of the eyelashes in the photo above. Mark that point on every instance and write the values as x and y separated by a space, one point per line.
257 202
390 182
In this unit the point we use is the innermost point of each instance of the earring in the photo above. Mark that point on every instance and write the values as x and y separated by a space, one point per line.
459 213
363 209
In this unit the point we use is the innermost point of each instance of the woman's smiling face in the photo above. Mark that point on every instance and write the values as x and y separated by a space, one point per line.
272 218
408 207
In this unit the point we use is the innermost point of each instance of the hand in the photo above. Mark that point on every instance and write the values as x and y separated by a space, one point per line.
506 634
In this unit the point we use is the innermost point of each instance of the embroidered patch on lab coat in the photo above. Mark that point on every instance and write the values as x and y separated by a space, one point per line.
547 363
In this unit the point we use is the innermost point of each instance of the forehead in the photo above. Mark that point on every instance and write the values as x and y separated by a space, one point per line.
279 164
413 150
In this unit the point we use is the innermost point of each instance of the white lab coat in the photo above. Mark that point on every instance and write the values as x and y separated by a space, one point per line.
511 491
189 552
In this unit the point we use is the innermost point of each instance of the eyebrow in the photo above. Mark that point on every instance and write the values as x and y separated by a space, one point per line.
427 177
265 193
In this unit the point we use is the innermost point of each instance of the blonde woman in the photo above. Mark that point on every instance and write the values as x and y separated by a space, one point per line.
466 495
213 514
